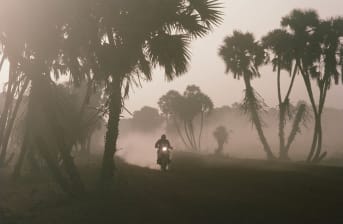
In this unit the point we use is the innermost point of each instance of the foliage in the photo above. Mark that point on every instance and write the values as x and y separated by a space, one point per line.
186 108
243 56
147 119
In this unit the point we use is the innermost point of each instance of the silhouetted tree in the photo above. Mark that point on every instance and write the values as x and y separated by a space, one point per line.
318 54
37 45
243 56
147 119
170 104
222 136
136 42
280 44
185 108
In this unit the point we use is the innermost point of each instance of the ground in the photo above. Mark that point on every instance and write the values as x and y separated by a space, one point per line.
197 189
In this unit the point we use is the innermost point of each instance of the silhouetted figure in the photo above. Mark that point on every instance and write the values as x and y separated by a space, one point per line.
162 142
222 136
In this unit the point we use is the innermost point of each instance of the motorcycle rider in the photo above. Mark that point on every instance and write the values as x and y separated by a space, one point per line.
163 141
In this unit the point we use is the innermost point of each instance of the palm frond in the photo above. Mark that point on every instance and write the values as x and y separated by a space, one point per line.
171 52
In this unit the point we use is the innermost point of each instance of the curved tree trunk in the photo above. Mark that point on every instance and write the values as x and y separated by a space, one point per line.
191 128
295 127
180 134
308 86
201 129
255 117
188 135
319 140
324 88
282 113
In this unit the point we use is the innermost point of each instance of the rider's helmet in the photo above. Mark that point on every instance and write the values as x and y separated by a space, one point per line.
163 137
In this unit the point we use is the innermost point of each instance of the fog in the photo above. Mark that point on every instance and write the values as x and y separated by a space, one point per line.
137 147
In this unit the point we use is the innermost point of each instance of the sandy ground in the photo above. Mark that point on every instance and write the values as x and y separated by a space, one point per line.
197 189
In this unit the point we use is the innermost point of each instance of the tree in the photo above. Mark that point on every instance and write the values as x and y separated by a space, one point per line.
137 42
116 42
185 108
36 44
280 45
147 119
243 56
318 54
222 136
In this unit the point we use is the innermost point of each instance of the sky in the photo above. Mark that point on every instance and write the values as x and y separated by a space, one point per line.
207 70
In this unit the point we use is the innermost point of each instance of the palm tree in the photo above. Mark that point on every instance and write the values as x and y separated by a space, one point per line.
196 103
243 56
185 108
170 104
318 53
110 41
280 45
36 46
222 136
136 42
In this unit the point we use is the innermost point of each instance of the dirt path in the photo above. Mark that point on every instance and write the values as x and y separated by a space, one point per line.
210 190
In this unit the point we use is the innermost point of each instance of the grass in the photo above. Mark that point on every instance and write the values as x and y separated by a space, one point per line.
198 189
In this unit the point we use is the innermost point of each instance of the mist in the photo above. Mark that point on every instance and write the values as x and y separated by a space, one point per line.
137 147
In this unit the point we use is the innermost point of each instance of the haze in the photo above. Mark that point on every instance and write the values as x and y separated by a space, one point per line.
208 71
78 145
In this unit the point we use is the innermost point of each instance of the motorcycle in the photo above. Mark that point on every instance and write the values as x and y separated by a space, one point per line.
164 158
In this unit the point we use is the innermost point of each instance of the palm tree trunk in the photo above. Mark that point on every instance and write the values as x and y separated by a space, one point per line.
10 124
296 126
282 118
201 129
282 113
284 149
282 108
307 82
323 93
319 140
5 112
191 128
188 135
115 108
255 117
314 141
180 134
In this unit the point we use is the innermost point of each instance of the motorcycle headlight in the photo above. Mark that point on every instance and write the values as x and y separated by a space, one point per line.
164 149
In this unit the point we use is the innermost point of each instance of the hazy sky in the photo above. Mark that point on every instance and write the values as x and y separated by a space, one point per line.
207 68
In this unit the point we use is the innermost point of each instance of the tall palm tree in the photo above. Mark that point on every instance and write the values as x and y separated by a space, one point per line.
280 45
318 52
243 56
141 35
